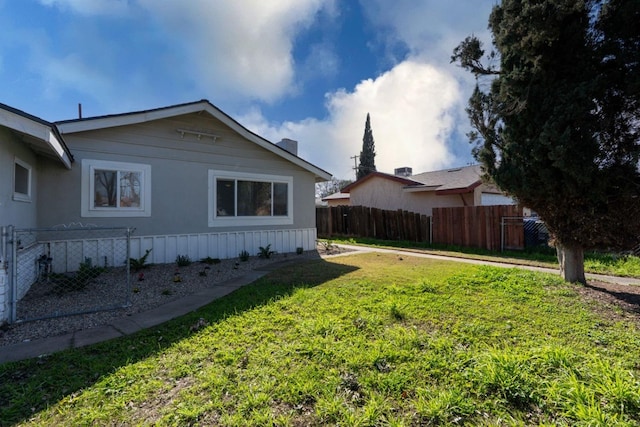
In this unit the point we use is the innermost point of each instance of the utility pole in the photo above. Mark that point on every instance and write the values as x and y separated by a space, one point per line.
355 164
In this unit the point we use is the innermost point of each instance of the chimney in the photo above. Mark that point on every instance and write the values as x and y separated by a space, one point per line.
290 145
403 171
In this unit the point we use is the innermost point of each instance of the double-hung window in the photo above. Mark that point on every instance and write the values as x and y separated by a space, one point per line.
21 181
115 189
249 199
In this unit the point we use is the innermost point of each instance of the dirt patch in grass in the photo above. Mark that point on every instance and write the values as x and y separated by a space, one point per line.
612 295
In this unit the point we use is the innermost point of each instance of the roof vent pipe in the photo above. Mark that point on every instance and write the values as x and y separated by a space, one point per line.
79 110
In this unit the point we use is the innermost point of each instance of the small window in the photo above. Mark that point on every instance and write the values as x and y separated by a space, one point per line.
115 189
21 181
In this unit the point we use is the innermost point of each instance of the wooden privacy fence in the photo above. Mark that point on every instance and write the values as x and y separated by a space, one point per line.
471 226
361 221
479 226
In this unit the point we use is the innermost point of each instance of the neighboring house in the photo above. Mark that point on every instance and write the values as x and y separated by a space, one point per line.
337 199
189 179
422 192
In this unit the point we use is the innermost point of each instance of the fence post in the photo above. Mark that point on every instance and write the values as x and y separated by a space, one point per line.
4 276
431 230
13 281
127 300
501 234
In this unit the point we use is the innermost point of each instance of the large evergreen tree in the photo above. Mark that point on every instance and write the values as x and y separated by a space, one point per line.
558 126
368 153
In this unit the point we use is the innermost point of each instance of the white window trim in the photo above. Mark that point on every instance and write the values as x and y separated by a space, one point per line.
235 221
87 196
22 197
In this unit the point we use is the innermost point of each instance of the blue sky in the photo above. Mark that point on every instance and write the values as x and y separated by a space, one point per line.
308 70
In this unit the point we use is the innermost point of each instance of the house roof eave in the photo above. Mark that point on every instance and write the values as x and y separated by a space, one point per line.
462 190
42 136
407 182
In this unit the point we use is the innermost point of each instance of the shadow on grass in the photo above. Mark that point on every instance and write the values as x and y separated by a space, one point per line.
631 300
30 386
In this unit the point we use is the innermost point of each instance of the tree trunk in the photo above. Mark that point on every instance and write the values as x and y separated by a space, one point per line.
571 260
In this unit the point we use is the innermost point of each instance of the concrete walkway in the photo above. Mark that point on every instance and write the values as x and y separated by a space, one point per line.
137 322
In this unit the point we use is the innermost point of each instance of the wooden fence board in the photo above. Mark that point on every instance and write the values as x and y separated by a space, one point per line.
470 226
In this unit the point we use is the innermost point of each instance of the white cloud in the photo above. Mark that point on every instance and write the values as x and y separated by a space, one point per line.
430 27
242 47
412 111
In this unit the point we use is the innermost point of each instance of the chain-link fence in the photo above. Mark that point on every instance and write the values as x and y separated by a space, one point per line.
66 271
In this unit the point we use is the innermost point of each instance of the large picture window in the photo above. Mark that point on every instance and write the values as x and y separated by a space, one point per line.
115 189
249 199
21 181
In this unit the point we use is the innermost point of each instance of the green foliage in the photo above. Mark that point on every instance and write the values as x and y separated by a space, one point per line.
78 280
558 126
299 250
138 264
368 153
183 260
210 261
265 252
244 255
315 344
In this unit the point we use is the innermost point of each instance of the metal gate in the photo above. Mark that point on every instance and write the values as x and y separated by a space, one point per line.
64 271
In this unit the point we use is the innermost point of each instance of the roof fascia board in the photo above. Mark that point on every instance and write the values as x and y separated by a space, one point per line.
463 190
46 133
88 124
83 125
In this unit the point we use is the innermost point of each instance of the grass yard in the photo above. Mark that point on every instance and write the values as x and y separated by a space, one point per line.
594 262
363 340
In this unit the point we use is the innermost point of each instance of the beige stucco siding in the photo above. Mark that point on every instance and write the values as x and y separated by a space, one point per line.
390 195
179 171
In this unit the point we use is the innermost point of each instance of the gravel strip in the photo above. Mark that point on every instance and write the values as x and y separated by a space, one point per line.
160 285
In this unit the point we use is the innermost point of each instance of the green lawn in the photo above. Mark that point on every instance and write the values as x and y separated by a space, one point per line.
594 262
362 340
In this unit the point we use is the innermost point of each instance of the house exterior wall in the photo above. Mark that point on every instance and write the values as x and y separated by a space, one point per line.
179 174
16 212
389 195
338 202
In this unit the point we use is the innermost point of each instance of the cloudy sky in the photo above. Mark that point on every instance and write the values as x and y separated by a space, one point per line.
308 70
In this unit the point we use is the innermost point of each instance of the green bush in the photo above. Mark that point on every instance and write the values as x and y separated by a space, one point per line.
183 260
244 255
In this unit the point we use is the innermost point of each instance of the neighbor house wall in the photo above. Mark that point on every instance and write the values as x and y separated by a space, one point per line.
390 195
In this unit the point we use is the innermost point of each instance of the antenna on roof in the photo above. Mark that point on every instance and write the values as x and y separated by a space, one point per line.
79 110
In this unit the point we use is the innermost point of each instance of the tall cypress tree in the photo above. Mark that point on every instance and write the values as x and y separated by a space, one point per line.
368 153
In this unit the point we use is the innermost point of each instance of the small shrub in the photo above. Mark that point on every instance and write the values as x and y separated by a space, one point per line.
244 255
299 250
183 260
139 263
265 252
78 280
210 261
